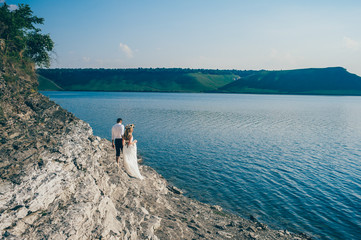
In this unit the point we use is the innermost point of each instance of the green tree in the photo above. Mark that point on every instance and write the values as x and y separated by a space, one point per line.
19 36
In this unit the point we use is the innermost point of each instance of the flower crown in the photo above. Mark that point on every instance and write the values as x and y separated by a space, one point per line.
130 126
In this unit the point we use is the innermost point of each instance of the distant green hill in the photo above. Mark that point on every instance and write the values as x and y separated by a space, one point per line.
48 85
330 81
159 80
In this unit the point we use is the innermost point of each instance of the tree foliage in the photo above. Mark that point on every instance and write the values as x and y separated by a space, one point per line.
19 36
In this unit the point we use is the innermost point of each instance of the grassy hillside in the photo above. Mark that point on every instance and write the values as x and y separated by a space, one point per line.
327 81
160 80
334 81
47 85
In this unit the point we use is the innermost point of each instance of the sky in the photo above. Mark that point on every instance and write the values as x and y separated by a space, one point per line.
222 34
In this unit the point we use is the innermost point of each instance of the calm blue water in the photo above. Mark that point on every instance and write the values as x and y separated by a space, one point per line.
292 161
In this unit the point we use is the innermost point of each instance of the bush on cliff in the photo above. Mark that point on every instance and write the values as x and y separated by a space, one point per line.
20 40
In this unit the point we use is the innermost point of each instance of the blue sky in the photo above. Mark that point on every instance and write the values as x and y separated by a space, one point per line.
227 34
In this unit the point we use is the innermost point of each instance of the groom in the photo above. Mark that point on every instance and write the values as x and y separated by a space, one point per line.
117 134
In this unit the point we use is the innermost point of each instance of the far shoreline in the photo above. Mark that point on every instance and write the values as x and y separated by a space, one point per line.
228 93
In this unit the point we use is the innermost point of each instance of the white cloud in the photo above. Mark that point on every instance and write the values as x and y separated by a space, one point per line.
86 59
351 44
13 7
126 49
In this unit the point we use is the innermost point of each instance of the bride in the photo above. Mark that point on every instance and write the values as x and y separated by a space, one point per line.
130 153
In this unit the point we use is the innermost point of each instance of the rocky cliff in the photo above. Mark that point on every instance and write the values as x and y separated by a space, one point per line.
58 181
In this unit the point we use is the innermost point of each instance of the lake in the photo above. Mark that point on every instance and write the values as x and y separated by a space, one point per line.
293 162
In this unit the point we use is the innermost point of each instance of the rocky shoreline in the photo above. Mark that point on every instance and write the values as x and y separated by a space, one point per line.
58 181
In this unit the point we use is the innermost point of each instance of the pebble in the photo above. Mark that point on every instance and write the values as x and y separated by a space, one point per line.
252 235
221 226
217 207
225 234
252 229
174 189
232 224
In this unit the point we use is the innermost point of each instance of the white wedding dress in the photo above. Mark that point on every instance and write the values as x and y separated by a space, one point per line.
131 161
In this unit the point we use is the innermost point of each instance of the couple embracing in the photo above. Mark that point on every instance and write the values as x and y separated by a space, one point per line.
122 141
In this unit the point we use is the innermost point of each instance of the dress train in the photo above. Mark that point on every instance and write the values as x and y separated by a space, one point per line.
131 161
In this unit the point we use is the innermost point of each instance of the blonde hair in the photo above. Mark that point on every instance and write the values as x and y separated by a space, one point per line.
128 131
